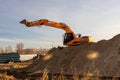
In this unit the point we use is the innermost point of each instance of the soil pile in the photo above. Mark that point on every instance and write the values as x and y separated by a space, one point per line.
101 58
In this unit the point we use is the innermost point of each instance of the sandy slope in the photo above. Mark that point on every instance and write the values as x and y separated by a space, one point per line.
101 58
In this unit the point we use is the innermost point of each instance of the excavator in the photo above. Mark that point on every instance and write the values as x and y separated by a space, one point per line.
70 38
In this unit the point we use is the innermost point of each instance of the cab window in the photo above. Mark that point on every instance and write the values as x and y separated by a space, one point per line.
68 37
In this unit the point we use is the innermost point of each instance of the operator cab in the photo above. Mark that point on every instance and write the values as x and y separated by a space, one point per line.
68 37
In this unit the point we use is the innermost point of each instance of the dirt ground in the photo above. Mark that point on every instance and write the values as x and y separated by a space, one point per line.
96 59
100 58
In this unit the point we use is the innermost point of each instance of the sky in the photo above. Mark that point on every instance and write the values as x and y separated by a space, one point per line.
99 19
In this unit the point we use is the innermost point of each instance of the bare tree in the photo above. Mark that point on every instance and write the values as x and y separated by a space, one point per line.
33 50
8 49
1 50
40 51
43 51
19 47
30 51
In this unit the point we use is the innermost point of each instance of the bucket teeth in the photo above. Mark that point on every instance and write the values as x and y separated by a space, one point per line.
24 21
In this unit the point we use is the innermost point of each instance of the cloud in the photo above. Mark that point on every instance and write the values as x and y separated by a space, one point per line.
6 40
22 40
31 43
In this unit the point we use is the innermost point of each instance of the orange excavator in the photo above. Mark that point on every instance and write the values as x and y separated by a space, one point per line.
70 38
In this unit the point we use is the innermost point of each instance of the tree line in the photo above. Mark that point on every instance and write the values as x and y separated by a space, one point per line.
20 49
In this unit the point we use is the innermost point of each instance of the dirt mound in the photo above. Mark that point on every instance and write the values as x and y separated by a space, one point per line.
101 58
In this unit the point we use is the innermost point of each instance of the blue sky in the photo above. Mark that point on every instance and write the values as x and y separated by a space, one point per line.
99 19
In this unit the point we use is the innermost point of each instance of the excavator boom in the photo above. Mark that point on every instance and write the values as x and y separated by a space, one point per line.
47 23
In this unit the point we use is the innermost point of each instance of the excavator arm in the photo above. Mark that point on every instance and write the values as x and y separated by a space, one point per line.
47 23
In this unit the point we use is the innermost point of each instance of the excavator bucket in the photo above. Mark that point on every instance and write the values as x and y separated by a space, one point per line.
24 21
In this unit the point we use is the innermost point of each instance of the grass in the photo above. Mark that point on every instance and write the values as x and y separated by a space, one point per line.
4 76
94 75
45 76
13 65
